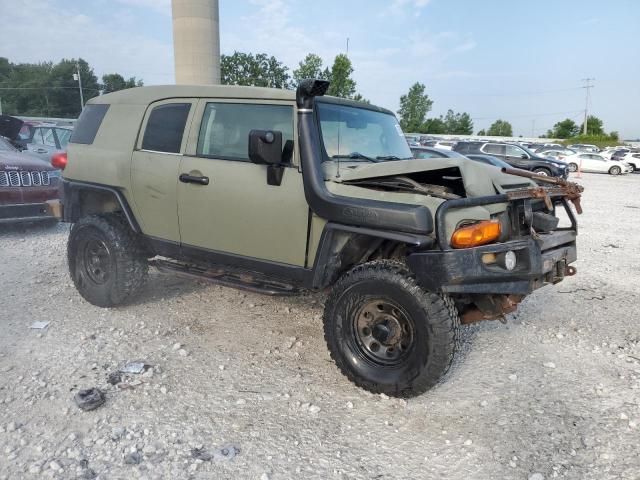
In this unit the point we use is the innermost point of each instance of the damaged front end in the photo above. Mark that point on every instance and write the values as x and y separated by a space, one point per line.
487 280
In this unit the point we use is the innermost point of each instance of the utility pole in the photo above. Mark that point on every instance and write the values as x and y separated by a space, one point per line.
78 78
587 86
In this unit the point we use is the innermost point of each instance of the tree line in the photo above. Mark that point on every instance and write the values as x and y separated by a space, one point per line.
49 89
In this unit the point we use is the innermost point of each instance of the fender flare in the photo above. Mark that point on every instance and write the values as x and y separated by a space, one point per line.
71 202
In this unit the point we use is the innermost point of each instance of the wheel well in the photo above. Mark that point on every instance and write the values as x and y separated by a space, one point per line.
348 250
81 200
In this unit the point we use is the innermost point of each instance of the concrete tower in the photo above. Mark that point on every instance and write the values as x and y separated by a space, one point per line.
196 41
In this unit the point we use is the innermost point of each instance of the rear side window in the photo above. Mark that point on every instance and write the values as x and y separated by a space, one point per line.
89 123
494 149
225 128
165 127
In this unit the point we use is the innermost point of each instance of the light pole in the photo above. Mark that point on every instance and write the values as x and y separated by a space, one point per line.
76 76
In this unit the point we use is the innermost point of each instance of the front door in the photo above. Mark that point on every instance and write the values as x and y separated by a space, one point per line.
517 157
224 202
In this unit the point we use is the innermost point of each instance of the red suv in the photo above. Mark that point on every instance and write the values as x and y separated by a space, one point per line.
27 182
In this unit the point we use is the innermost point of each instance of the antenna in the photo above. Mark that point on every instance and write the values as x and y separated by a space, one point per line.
588 85
347 46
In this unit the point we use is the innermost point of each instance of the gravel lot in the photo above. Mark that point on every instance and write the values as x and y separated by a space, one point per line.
554 393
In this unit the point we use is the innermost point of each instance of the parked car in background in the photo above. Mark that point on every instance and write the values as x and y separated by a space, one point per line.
443 144
429 152
584 147
516 156
620 154
44 140
543 150
558 155
633 159
26 183
489 160
596 163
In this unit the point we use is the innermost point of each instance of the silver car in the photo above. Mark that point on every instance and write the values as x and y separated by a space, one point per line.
44 140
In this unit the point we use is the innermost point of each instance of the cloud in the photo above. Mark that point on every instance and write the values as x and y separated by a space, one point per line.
161 6
107 45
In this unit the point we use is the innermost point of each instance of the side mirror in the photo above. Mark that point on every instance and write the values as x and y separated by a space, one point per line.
524 156
265 148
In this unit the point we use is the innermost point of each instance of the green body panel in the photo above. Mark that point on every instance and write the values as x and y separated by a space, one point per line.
238 212
315 234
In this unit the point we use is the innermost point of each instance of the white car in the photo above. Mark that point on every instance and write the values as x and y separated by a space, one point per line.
593 162
633 159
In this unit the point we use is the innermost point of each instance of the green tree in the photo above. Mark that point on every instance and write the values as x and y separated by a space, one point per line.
481 133
258 70
565 129
414 107
342 85
433 125
64 97
112 82
310 67
500 128
614 136
595 126
458 123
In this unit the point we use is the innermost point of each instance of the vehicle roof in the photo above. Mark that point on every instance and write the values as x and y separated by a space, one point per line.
147 95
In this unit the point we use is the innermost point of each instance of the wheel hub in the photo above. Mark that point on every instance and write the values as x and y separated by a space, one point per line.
96 261
383 331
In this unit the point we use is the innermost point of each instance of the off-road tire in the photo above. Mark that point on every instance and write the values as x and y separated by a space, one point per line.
434 319
542 171
615 170
124 265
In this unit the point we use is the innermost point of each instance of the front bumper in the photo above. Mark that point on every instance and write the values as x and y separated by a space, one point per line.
25 212
539 262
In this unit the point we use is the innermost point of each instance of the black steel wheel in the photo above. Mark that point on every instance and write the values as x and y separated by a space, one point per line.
106 260
386 334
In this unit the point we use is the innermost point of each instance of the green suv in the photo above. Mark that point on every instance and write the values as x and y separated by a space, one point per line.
279 192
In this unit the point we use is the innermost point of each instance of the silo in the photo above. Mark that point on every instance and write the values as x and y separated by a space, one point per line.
196 41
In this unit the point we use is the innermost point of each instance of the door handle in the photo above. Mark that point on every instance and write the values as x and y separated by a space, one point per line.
186 178
41 150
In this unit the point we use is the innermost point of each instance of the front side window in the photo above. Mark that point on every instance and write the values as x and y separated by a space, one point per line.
165 127
63 136
48 137
513 151
359 133
37 136
224 132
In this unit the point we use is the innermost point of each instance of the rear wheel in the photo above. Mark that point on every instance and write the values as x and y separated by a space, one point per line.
573 167
615 170
106 260
542 171
386 334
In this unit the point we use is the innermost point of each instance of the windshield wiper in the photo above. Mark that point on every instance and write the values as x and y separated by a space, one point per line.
356 156
392 157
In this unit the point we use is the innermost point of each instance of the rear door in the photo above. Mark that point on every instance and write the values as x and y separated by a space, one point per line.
155 166
43 142
495 149
236 212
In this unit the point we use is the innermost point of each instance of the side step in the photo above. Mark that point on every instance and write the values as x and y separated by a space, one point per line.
229 277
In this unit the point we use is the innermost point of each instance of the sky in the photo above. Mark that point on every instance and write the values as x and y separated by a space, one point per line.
517 60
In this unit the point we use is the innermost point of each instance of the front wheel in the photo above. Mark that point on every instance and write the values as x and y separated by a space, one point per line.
615 170
106 260
573 167
386 334
542 171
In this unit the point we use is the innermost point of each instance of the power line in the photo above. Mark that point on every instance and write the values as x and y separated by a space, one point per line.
527 115
587 86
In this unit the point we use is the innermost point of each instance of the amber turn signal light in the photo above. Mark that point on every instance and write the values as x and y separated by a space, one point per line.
479 233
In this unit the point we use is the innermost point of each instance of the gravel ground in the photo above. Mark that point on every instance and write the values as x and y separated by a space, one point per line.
554 393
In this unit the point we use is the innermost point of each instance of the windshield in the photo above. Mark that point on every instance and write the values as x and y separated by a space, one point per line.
360 134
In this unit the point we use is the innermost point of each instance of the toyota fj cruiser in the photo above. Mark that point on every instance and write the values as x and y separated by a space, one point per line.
278 192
